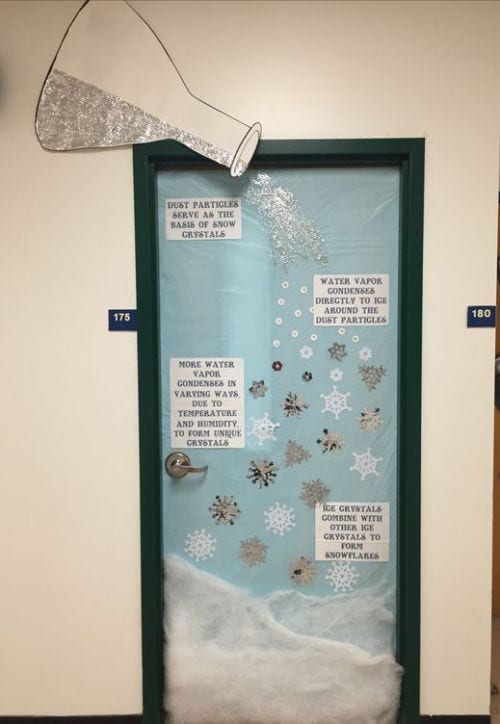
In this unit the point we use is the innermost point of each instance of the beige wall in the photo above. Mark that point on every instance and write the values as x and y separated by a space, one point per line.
69 529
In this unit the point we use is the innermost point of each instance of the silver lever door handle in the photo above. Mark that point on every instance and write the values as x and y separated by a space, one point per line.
178 465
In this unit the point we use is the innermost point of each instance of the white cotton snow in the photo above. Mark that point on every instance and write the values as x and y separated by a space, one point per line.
236 659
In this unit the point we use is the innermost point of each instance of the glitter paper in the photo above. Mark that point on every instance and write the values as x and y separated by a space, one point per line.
337 351
370 419
314 492
73 114
302 571
293 235
294 405
258 389
295 454
262 472
330 441
224 510
253 551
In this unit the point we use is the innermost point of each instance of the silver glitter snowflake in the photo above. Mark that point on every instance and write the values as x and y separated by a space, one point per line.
370 419
331 441
337 351
263 429
366 464
224 509
279 518
302 571
262 472
295 454
371 375
200 545
258 389
342 577
253 551
293 235
294 405
314 492
336 402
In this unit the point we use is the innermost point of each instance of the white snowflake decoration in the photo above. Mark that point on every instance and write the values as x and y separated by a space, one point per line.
279 518
306 352
263 428
336 375
342 577
365 354
336 402
366 464
200 545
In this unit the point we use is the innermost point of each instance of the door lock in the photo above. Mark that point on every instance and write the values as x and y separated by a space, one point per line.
178 464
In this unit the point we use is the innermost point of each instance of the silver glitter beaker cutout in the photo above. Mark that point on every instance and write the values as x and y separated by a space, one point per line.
113 83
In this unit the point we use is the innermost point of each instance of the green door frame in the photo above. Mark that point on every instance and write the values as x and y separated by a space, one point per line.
408 155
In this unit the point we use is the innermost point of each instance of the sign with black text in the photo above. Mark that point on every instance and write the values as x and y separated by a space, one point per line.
352 531
217 218
207 402
351 300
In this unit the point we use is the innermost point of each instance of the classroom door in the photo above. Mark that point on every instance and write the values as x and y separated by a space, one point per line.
279 302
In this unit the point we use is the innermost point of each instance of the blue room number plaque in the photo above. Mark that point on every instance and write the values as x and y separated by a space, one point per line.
122 320
481 316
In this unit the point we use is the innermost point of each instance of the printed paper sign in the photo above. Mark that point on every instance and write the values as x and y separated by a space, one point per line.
207 402
213 218
352 531
351 300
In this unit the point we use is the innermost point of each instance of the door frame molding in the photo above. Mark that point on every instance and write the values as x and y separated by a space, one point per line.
408 155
